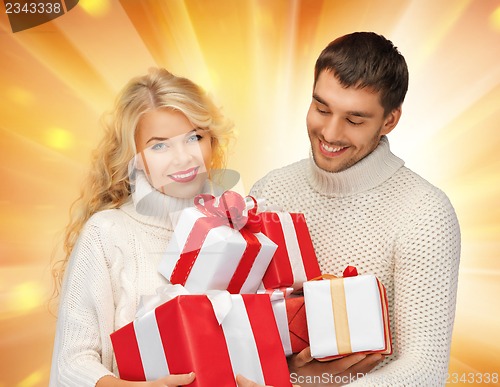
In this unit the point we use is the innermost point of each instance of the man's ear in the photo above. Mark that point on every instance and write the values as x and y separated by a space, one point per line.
391 120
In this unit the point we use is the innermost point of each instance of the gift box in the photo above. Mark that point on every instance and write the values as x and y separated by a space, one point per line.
297 323
278 302
347 315
290 314
215 245
294 261
216 337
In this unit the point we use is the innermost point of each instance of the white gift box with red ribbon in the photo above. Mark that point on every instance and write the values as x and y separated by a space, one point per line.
218 245
217 336
347 315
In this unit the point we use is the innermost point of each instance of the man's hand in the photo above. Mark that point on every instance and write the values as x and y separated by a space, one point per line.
345 368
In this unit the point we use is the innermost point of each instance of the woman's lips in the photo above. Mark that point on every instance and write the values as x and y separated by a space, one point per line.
184 176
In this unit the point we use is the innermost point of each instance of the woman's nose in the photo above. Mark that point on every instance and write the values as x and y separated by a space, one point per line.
182 154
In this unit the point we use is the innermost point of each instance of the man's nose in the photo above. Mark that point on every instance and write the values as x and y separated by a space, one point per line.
332 130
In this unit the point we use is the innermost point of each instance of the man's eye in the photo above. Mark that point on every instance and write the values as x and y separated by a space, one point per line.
321 111
354 122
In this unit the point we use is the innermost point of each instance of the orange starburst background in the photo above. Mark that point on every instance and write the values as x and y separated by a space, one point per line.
256 57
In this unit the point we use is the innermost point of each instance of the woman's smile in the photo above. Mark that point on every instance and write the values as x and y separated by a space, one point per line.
185 176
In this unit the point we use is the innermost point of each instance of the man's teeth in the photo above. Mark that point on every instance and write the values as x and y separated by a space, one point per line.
330 149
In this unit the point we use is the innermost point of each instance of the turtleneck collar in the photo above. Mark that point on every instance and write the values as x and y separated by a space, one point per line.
366 174
149 206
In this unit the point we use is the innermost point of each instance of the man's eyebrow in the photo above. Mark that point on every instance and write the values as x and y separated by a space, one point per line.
360 114
355 113
319 99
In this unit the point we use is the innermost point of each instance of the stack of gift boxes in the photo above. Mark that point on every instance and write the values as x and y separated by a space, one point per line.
246 291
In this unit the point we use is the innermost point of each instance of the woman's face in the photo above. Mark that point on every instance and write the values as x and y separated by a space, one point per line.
173 153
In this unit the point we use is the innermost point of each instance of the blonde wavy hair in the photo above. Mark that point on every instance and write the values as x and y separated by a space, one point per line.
107 185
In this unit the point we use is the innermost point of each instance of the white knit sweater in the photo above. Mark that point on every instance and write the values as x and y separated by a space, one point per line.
112 265
386 220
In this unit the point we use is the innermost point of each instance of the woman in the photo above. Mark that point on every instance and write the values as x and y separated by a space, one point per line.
164 138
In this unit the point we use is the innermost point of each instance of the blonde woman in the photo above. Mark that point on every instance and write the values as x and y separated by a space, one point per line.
160 144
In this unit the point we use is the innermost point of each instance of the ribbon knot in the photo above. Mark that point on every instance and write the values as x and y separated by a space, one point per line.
230 207
227 211
350 271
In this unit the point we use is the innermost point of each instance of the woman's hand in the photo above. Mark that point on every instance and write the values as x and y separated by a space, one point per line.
338 372
244 382
167 381
174 380
241 381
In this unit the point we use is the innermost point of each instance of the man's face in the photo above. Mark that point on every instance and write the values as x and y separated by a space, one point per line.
345 124
174 154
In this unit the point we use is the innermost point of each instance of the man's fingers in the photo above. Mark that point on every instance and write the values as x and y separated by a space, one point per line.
367 364
348 365
362 367
348 361
303 357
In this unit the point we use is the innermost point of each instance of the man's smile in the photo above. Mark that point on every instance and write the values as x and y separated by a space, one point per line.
330 151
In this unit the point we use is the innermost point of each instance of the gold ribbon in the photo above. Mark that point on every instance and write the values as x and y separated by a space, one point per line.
324 277
340 319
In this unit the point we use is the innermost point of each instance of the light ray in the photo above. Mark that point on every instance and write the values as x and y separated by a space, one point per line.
257 58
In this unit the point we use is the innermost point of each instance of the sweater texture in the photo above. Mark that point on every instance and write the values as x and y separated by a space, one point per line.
113 264
386 220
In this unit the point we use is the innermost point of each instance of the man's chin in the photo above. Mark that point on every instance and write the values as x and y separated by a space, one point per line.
327 165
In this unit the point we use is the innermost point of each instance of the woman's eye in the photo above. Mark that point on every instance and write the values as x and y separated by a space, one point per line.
160 146
194 138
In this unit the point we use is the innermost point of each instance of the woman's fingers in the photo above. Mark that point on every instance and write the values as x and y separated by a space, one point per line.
178 380
244 382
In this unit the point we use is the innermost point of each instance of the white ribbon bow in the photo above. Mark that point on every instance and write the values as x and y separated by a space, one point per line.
220 299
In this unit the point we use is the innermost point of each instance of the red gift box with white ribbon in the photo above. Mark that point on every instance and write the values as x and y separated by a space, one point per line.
347 315
294 261
278 302
297 323
217 336
218 245
289 311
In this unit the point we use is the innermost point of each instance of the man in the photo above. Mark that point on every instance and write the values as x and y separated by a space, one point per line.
364 208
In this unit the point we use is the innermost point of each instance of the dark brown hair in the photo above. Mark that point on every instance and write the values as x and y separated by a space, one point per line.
366 59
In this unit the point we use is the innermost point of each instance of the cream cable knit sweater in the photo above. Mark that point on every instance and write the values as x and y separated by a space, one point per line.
384 219
114 262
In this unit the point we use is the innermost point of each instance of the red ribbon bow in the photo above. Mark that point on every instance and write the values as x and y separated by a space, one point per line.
230 206
350 271
228 211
